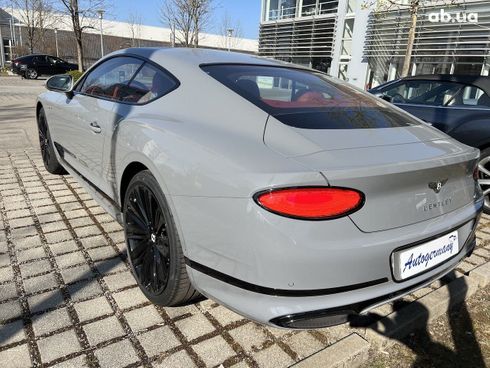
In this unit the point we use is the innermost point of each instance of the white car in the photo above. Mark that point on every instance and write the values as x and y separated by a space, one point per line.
284 194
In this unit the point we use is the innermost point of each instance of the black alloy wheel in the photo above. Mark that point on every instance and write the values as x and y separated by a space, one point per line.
146 232
31 74
47 148
484 178
44 140
154 249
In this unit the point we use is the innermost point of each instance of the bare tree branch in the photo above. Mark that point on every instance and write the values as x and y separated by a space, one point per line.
134 24
413 7
187 19
79 11
229 25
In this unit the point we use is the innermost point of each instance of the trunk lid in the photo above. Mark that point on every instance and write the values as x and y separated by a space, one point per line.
408 174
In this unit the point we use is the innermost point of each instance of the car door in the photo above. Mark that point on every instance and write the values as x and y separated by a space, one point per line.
444 104
91 115
425 99
41 65
61 66
54 67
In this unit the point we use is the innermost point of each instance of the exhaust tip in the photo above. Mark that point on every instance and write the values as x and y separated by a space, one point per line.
315 319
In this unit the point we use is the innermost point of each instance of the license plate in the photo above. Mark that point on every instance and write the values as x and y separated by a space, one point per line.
412 261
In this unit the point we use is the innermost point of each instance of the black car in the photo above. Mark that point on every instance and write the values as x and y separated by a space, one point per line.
457 105
32 66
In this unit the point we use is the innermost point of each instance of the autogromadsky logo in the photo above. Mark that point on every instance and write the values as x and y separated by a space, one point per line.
444 16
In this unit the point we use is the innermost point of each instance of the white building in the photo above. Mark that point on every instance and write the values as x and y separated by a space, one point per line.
323 34
116 35
367 47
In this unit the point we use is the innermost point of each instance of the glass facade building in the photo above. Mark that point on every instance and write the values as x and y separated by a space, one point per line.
367 46
452 37
322 34
299 31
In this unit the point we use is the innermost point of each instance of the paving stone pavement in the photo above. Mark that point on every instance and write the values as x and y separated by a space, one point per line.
67 296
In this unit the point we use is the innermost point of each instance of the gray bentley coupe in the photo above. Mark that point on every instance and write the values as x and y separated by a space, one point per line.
288 196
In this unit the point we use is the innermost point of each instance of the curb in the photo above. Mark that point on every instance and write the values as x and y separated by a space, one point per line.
334 355
353 351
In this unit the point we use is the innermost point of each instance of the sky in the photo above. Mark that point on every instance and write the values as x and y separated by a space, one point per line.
246 12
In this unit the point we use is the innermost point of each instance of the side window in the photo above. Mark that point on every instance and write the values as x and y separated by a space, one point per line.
434 93
148 84
109 79
470 96
51 60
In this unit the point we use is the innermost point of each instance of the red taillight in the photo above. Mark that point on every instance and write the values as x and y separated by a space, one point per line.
311 203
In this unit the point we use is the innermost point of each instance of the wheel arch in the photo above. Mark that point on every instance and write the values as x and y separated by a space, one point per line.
39 106
129 172
139 163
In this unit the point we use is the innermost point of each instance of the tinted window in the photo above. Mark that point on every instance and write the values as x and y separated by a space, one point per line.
148 84
434 93
108 79
470 96
54 60
307 99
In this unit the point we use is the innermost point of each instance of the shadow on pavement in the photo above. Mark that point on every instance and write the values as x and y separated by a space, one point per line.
55 301
430 353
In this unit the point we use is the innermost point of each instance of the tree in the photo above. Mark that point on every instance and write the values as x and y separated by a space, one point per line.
413 7
33 14
134 24
187 19
230 25
46 21
82 13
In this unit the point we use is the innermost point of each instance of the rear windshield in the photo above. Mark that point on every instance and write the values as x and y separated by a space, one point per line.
308 100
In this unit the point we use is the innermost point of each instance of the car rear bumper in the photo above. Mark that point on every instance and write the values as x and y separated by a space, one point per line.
19 69
278 275
307 312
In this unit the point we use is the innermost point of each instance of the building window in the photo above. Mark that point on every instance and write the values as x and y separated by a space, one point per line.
281 9
347 37
327 6
343 71
351 6
308 8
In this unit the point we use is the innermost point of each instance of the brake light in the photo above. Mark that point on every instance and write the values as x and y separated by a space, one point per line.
311 203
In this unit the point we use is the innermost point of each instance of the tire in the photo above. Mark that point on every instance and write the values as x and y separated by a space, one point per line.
484 177
31 74
154 249
50 161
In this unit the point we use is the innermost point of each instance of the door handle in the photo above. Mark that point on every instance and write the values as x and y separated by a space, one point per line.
95 127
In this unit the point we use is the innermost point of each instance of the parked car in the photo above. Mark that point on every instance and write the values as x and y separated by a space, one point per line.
458 105
286 195
33 66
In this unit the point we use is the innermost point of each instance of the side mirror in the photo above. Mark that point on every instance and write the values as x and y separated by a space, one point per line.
61 83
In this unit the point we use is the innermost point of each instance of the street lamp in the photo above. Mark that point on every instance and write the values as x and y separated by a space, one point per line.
230 35
56 41
101 17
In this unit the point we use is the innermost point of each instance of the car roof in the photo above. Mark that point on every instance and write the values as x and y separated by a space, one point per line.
480 81
31 56
199 56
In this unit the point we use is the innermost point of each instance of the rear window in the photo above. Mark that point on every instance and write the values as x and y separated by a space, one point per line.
308 100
